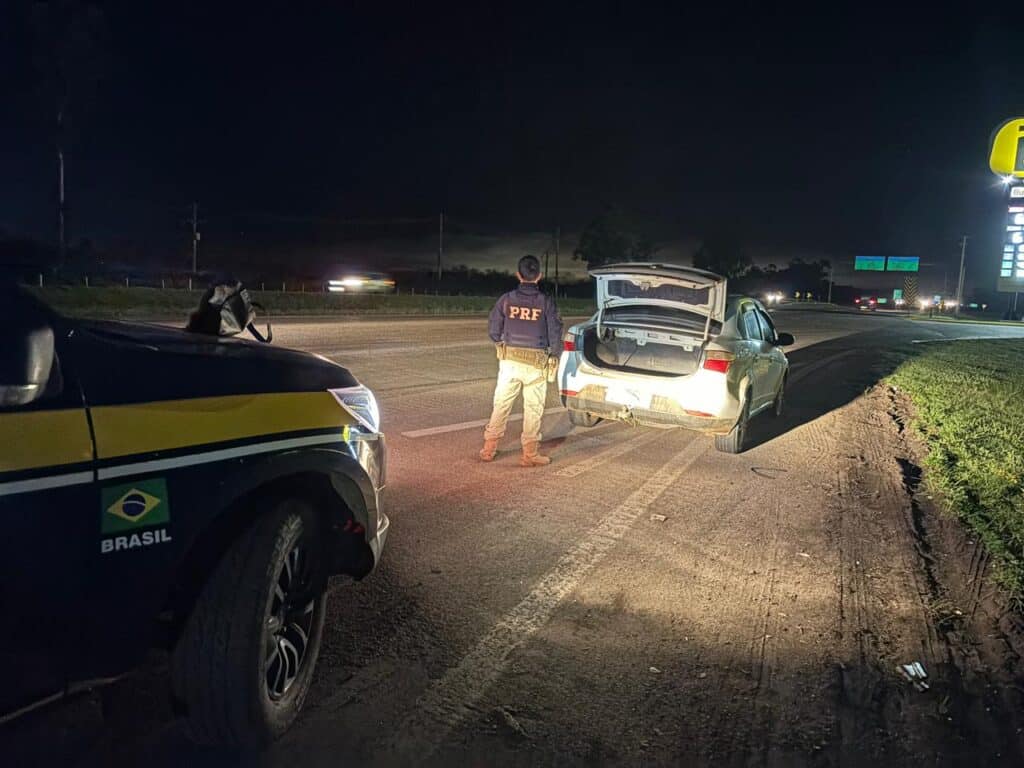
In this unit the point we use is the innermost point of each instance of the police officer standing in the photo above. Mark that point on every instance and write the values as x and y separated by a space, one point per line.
525 326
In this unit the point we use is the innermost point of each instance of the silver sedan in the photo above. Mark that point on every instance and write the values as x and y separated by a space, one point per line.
668 347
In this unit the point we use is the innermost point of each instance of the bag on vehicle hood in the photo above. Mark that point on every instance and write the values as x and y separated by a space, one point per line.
227 309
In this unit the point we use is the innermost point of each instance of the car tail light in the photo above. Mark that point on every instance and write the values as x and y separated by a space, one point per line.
569 342
569 392
717 361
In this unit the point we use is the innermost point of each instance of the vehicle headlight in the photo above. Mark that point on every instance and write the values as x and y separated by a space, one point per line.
360 402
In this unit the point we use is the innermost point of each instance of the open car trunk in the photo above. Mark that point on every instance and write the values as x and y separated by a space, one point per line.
654 318
637 350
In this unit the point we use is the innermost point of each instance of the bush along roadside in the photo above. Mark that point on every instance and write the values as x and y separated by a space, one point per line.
969 402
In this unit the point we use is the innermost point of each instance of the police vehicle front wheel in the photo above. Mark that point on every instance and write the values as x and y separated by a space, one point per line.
244 663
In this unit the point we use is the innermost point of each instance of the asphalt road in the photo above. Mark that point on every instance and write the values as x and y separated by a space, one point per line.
643 599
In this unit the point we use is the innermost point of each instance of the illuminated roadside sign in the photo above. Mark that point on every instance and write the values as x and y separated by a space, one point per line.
897 294
1011 263
1006 156
869 263
903 264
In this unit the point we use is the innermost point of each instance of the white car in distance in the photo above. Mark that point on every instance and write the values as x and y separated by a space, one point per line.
668 347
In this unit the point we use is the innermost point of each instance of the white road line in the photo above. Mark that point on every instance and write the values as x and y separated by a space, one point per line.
447 703
427 432
625 446
370 349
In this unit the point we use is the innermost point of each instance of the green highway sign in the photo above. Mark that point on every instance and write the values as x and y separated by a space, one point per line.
869 263
903 264
897 294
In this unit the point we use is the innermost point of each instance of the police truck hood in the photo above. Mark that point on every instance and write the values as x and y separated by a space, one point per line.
151 362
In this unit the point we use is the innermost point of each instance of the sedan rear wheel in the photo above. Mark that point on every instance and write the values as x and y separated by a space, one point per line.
582 418
780 399
735 441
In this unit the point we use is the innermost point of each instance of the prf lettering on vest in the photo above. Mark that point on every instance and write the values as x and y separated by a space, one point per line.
525 313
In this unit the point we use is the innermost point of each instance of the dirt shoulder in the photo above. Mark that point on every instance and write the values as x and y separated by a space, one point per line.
916 587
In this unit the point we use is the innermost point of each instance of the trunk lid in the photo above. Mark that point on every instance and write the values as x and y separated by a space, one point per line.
654 319
661 287
667 286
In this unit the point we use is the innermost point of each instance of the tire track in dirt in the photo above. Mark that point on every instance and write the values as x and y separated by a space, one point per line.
449 701
762 744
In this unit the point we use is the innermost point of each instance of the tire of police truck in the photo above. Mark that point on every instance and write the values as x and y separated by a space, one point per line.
736 439
244 662
582 418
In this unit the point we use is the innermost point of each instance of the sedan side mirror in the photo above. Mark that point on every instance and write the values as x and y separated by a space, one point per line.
784 340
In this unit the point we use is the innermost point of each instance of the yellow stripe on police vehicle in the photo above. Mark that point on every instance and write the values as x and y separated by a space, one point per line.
126 430
31 438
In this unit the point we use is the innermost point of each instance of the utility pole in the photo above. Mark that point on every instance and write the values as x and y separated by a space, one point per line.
62 238
960 281
195 238
440 244
831 272
558 236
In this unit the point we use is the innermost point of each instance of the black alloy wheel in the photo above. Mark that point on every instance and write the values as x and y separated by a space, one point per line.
286 638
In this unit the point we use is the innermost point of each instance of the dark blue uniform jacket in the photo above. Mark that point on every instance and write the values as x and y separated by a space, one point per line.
527 318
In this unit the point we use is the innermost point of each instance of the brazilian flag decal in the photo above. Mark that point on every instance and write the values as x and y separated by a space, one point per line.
141 504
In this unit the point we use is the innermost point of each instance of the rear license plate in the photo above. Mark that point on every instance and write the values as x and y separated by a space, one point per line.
631 398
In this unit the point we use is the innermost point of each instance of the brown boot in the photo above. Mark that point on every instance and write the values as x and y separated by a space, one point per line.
490 448
531 458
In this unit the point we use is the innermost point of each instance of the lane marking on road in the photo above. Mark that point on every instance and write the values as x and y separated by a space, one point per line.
427 432
625 446
370 349
452 699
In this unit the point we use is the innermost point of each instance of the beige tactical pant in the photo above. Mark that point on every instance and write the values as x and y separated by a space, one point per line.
513 376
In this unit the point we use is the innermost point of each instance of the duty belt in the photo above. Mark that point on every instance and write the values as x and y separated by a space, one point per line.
536 358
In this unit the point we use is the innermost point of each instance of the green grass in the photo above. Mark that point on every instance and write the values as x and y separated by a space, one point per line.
969 398
154 303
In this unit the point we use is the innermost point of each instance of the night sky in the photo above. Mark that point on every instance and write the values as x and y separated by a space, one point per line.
826 135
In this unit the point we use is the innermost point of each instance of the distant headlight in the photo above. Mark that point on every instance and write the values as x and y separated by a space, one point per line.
360 402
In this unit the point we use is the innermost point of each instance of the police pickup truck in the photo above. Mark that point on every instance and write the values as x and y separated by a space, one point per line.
167 489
